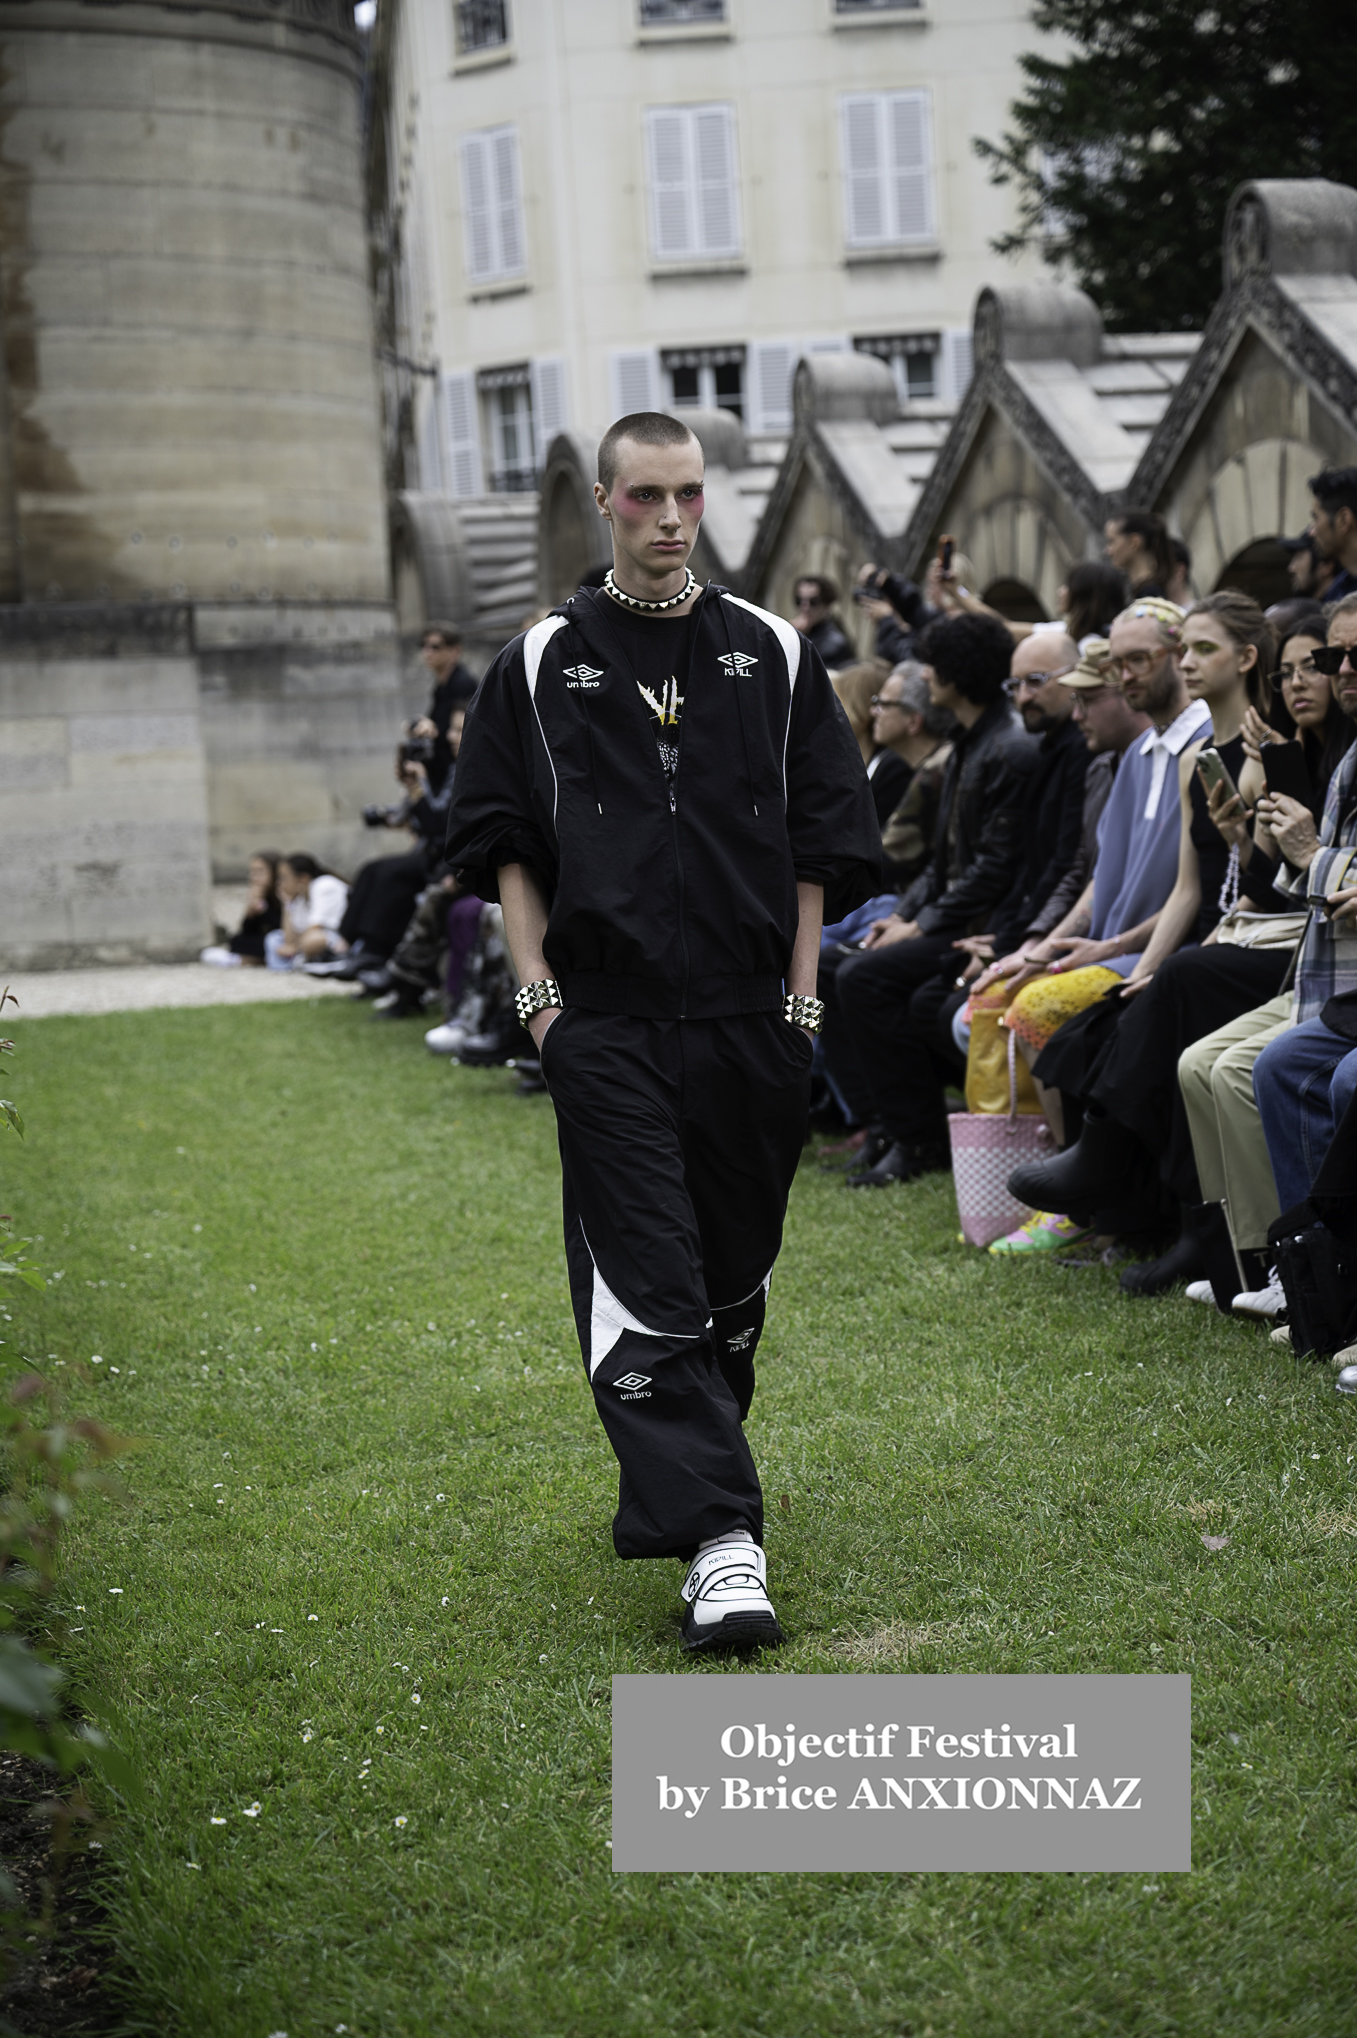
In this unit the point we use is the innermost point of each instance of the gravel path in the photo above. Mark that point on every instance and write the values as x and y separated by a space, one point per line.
43 994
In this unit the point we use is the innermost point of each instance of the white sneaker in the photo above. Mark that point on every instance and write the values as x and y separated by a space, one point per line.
1200 1291
445 1039
728 1605
1269 1301
1281 1335
218 957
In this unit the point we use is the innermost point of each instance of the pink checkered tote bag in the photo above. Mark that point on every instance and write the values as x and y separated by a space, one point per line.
985 1150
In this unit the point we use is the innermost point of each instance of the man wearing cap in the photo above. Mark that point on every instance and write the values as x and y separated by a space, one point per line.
1109 926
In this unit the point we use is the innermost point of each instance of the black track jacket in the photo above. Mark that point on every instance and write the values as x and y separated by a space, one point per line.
665 915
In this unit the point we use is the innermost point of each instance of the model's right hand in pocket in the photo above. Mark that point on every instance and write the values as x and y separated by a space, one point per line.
541 1023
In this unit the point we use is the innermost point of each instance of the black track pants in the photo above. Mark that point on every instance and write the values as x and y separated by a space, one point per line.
679 1140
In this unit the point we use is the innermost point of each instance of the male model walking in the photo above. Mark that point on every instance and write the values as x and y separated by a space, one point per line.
660 787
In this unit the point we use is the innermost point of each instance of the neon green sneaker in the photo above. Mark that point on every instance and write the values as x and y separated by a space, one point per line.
1044 1232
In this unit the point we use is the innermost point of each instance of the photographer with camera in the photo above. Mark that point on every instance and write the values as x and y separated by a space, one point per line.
386 890
898 609
440 654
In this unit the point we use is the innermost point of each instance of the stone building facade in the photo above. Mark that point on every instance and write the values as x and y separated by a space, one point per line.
198 653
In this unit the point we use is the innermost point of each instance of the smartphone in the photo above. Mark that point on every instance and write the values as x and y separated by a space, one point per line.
946 547
1214 773
1286 772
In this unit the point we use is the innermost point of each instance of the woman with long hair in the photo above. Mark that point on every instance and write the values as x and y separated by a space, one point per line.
1120 1060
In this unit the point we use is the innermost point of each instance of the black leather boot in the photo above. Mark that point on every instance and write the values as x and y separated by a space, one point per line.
1182 1262
1087 1176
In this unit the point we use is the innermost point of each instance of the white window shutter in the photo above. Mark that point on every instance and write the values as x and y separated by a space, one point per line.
430 440
911 166
717 188
957 364
508 189
770 366
671 210
463 436
477 213
550 401
866 221
635 377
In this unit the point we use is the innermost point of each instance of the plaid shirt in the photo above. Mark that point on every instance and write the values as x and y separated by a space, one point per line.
1328 951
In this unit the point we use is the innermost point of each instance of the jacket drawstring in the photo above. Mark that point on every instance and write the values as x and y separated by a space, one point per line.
569 608
739 703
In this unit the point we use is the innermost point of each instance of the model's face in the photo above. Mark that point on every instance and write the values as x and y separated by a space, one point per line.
1308 694
1343 630
1210 661
654 506
1142 663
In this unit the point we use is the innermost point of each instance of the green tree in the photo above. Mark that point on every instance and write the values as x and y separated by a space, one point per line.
1125 148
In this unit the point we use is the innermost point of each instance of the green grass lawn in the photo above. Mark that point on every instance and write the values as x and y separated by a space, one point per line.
365 1587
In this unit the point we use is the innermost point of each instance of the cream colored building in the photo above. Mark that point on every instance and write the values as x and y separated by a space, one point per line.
596 206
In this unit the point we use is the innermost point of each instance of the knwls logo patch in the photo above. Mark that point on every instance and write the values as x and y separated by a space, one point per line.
583 675
736 662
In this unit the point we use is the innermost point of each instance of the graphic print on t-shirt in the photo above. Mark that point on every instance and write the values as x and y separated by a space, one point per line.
666 708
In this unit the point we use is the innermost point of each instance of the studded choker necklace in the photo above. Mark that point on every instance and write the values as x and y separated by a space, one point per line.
651 608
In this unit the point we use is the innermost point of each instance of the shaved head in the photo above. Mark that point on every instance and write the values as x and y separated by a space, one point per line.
643 428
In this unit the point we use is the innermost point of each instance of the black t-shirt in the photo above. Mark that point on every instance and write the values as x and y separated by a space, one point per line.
659 648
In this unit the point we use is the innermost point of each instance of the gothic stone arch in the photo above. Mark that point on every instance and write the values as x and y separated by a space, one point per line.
1240 474
1011 519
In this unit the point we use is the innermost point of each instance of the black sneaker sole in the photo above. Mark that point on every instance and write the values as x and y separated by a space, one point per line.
736 1631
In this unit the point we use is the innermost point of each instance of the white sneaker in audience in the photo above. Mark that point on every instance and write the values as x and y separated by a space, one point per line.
220 958
1269 1301
1281 1335
1346 1383
1200 1291
445 1039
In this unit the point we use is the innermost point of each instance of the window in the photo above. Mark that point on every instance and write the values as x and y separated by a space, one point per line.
887 169
694 196
506 394
874 6
481 25
913 359
659 13
492 205
709 377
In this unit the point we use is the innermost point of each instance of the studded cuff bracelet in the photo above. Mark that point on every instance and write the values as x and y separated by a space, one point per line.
807 1012
535 998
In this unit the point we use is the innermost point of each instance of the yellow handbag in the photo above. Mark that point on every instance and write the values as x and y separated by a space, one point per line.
987 1077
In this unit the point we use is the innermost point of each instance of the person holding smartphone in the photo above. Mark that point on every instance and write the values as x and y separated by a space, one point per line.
1121 1059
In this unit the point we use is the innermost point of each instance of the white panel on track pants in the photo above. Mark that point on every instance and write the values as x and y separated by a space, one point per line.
679 1140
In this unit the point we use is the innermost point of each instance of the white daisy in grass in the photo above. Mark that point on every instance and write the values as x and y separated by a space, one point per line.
215 1821
252 1811
402 1821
